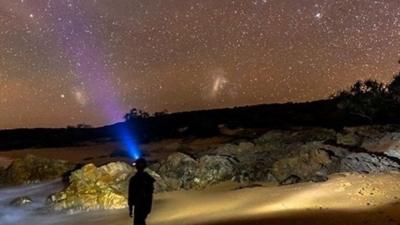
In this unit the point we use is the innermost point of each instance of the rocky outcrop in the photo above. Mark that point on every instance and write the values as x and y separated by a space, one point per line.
181 171
372 139
389 144
213 169
33 169
104 187
283 156
367 162
178 170
308 162
94 187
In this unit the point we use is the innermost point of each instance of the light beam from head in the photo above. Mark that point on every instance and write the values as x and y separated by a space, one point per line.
86 53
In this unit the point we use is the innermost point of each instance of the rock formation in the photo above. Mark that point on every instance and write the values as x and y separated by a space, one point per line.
104 187
281 156
33 169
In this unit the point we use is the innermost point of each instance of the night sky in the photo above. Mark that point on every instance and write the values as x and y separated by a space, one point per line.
64 62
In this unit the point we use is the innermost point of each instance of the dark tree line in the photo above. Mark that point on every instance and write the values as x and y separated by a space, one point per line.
371 99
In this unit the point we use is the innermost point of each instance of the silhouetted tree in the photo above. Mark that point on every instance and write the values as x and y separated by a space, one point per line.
136 114
366 99
394 89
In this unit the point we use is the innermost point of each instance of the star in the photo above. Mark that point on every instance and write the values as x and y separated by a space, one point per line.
92 61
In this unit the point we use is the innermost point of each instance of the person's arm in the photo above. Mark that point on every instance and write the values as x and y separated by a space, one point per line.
152 186
130 197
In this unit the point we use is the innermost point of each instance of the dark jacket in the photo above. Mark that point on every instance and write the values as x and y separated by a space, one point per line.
141 187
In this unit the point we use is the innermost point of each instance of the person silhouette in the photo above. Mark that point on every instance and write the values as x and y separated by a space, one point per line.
140 195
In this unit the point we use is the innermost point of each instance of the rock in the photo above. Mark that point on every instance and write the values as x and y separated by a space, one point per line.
276 137
372 138
21 201
292 179
317 135
256 166
335 152
214 169
181 171
104 187
382 143
5 162
178 170
236 150
393 153
388 144
254 161
366 162
319 177
94 187
160 185
305 163
33 169
350 139
300 135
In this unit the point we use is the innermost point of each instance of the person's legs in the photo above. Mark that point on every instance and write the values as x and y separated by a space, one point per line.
139 218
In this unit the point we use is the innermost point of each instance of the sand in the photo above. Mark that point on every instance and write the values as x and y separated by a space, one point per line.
344 199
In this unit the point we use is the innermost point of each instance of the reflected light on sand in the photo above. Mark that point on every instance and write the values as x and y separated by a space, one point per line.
335 194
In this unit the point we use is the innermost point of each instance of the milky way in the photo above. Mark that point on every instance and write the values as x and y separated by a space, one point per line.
64 62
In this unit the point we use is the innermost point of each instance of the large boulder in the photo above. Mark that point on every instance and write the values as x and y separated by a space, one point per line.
178 170
214 169
181 171
374 139
309 161
255 161
371 138
388 144
94 187
104 187
366 162
33 169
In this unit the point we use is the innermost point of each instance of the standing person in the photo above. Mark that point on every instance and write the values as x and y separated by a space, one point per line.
141 187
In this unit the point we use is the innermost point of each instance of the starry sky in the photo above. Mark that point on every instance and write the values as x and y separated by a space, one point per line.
64 62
